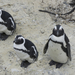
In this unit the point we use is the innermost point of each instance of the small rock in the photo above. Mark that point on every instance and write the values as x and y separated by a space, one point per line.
15 70
42 31
15 10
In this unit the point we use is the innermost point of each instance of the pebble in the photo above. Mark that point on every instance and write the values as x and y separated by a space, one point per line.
15 70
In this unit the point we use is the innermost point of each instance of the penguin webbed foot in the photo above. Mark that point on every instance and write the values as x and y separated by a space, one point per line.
3 36
52 63
58 65
25 64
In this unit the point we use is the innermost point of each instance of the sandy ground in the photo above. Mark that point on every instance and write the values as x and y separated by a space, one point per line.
37 27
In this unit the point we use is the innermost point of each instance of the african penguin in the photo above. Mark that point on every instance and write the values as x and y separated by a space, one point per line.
7 25
58 46
25 50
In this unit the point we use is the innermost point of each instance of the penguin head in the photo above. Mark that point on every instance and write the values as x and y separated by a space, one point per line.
58 30
19 39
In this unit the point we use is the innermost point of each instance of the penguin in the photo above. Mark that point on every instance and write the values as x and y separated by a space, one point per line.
25 50
58 46
7 25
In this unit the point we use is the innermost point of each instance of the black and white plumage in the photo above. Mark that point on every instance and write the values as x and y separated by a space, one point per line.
58 47
7 25
25 50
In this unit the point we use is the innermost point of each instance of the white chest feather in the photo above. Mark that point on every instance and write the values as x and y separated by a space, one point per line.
21 46
5 30
22 55
1 20
56 52
2 27
59 39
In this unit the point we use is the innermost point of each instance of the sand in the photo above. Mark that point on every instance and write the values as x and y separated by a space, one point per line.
35 26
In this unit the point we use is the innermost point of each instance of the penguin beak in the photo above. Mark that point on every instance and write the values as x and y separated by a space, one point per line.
15 41
57 33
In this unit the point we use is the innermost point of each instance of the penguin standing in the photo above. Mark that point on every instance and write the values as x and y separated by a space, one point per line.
7 25
58 47
25 50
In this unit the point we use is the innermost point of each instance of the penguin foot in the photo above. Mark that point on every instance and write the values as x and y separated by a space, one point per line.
58 65
25 64
3 36
52 63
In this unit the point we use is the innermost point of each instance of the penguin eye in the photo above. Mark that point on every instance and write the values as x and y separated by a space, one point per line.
19 39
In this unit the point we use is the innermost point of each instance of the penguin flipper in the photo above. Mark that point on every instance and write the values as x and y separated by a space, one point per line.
32 53
46 47
68 47
69 51
9 23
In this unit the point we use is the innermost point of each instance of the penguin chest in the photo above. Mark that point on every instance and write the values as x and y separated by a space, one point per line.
24 56
4 29
1 20
56 52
